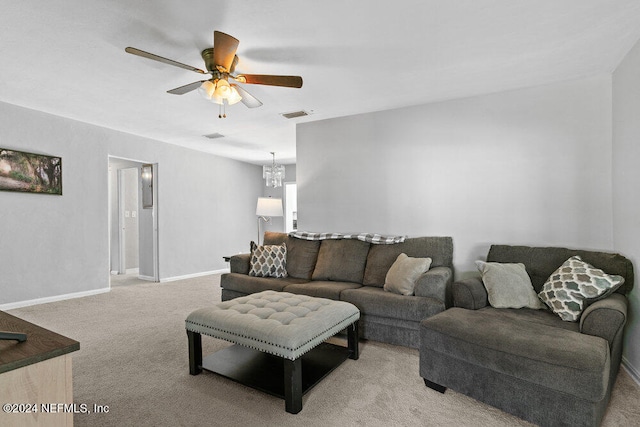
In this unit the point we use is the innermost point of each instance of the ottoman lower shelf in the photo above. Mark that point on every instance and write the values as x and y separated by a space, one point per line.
265 372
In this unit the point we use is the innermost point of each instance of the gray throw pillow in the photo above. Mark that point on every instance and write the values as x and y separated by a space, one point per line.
401 277
508 285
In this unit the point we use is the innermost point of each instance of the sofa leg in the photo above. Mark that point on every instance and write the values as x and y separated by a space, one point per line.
434 386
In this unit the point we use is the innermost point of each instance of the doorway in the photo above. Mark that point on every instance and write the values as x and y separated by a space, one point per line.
133 223
290 207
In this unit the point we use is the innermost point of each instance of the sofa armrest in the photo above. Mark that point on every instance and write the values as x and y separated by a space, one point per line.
434 283
605 318
470 294
240 263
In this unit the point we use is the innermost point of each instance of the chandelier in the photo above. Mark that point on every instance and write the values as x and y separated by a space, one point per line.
273 174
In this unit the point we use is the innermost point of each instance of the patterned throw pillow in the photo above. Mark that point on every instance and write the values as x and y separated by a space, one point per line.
268 260
575 285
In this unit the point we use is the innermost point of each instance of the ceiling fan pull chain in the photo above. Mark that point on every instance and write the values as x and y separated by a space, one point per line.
222 111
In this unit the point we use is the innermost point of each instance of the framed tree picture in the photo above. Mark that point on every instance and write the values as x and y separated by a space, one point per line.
29 172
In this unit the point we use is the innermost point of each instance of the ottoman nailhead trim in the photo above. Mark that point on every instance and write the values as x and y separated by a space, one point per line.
211 323
266 342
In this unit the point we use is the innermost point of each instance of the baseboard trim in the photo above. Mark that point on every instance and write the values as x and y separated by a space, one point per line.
148 278
633 372
194 275
20 304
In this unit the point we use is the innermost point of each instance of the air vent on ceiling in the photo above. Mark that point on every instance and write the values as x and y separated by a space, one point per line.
295 114
214 135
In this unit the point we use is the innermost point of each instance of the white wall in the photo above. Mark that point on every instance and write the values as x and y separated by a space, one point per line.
54 245
530 166
626 188
57 245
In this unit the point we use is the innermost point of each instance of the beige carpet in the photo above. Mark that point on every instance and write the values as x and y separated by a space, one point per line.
133 358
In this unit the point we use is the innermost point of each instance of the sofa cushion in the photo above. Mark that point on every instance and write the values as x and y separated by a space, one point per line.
541 317
496 340
341 260
374 301
321 288
301 254
401 277
382 257
248 284
574 285
508 285
268 261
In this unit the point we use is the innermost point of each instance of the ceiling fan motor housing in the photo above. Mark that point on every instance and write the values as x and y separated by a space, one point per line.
207 56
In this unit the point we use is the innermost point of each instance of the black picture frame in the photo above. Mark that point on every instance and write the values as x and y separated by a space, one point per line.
30 172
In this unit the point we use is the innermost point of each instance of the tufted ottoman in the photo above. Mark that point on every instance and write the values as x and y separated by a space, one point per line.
279 339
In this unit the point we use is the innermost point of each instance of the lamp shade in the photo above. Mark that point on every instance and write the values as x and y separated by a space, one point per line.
234 96
206 89
223 90
268 206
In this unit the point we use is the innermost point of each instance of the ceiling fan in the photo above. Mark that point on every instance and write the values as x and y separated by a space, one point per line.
220 62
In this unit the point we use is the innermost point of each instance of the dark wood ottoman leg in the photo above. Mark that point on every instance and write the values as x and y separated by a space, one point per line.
195 352
352 341
293 385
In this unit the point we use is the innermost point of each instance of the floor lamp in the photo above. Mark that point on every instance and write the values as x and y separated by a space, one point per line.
266 208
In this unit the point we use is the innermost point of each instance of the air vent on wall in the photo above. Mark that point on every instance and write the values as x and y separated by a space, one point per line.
295 114
214 135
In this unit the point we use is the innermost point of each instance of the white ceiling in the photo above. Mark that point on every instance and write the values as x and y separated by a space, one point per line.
66 57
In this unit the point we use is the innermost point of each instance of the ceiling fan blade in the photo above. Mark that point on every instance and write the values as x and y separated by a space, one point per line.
248 99
224 49
265 79
186 88
148 55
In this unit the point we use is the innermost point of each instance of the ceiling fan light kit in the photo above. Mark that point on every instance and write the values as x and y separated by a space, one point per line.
220 62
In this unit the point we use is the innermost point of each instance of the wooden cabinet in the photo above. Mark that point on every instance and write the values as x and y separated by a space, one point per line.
35 376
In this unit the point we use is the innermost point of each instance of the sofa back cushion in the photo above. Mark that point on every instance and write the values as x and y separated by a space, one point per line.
301 254
542 262
341 260
381 257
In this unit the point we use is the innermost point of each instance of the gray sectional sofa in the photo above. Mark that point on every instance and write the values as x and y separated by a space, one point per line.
354 271
526 361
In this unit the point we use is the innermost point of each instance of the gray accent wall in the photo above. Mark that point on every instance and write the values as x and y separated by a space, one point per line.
58 245
626 187
529 166
554 165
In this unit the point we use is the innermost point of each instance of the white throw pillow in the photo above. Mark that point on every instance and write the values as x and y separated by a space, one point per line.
508 285
401 277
